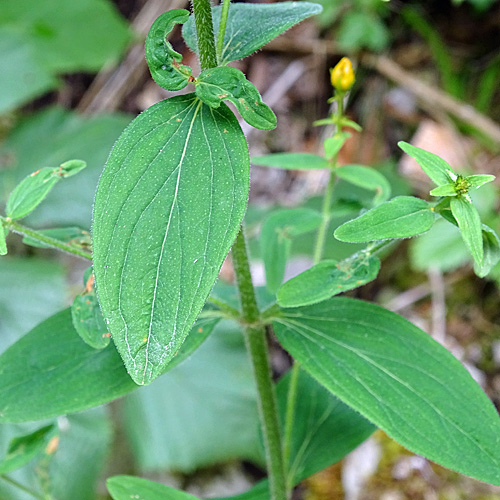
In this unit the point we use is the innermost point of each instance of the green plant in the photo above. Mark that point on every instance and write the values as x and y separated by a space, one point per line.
169 207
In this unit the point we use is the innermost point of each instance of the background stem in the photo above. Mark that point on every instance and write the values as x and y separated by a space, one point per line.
222 29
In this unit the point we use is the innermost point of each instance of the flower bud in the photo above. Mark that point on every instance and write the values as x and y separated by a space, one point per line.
342 76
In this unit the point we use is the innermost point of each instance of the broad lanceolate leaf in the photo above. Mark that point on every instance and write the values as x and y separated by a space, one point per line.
469 222
445 190
276 239
434 166
88 321
127 487
366 178
218 84
163 60
476 181
328 278
31 192
73 235
51 371
25 448
491 250
242 37
401 217
334 144
168 207
3 243
399 378
325 430
291 161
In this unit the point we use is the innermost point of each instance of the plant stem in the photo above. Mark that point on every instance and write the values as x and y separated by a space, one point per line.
255 339
205 33
290 412
42 238
222 29
21 487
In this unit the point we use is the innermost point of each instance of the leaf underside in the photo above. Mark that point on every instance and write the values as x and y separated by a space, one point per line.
167 210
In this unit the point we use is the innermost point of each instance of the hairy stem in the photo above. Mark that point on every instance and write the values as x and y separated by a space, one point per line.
43 238
222 28
205 33
256 341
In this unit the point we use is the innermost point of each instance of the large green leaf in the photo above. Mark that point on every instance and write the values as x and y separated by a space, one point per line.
49 138
243 37
201 413
367 178
127 487
39 379
167 210
325 430
399 378
401 217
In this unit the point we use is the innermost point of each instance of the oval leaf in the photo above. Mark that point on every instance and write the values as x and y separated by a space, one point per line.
39 379
292 161
400 217
366 178
218 84
399 378
88 321
30 192
328 278
163 60
168 207
242 37
491 250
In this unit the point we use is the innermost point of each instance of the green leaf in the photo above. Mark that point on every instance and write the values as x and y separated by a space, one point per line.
445 190
334 144
491 247
470 226
3 243
163 60
88 321
31 192
218 84
167 210
434 166
127 487
38 379
325 430
360 29
215 412
50 138
328 278
25 448
401 217
291 161
243 38
400 379
71 167
276 239
366 178
75 235
476 181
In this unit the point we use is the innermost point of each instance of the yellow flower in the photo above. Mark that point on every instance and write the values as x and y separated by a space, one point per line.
342 76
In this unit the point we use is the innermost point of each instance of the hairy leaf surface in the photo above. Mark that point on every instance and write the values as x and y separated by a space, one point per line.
399 378
167 210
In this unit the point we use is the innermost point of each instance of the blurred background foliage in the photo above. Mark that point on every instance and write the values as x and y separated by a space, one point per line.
73 76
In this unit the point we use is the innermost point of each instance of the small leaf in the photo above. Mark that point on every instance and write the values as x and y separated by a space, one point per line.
291 161
218 84
163 60
334 144
73 235
167 210
366 178
491 247
477 181
71 167
445 190
88 321
328 278
30 192
51 371
242 37
434 166
276 238
24 449
399 378
470 226
400 217
3 243
128 487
